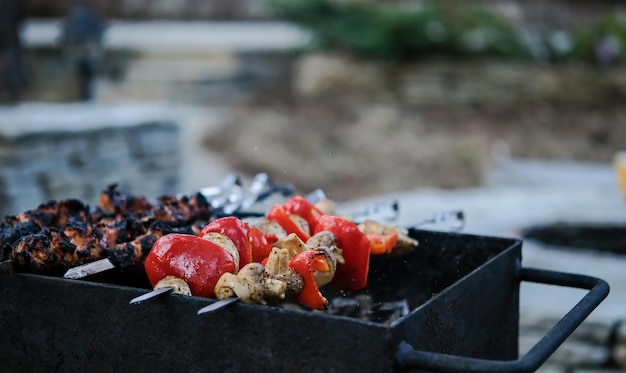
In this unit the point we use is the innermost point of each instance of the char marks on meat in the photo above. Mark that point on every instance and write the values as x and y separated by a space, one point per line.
113 201
58 235
46 250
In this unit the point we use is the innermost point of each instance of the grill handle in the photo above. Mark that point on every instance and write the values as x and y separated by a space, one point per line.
409 358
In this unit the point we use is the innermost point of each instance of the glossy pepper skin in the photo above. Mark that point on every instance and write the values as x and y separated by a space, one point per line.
279 215
238 231
382 243
299 205
304 264
197 261
356 251
261 244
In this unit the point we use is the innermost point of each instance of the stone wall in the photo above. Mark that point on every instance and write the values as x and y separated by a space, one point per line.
558 13
75 150
155 9
482 83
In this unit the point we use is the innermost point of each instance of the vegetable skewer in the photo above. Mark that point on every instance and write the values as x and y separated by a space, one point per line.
310 249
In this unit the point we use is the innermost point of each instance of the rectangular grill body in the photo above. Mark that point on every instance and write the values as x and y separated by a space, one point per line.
463 291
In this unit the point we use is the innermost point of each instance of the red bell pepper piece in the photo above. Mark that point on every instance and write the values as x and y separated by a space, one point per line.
382 243
197 261
298 205
278 214
261 244
304 264
238 231
356 251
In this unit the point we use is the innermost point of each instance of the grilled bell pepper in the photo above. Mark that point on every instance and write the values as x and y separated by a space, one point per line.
299 205
305 264
356 251
278 214
197 261
238 231
382 243
261 244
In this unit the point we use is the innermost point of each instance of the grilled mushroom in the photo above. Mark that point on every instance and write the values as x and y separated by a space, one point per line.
257 284
271 227
327 242
251 285
180 286
277 267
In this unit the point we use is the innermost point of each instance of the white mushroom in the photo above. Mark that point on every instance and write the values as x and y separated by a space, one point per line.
180 286
293 243
326 241
250 285
277 267
271 227
226 243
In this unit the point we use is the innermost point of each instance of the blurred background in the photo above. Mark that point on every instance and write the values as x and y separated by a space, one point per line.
355 97
512 110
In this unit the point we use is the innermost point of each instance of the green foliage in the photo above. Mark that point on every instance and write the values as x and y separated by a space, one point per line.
603 42
401 32
410 31
482 32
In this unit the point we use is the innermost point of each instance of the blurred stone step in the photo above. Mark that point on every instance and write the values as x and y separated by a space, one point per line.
179 36
59 151
216 67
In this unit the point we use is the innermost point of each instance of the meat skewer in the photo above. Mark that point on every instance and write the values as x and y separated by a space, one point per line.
226 198
64 234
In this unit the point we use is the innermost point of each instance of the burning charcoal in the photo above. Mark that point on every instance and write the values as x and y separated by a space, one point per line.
344 307
290 306
352 307
387 312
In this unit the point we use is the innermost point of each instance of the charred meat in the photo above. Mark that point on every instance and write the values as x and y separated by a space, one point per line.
62 234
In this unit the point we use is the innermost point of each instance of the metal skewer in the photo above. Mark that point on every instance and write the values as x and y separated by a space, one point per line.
385 210
217 305
457 216
152 294
89 269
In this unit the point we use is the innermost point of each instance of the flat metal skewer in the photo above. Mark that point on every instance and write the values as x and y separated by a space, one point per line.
152 294
217 305
458 216
89 269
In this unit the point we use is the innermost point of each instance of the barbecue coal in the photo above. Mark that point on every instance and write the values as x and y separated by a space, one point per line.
58 235
356 306
362 306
